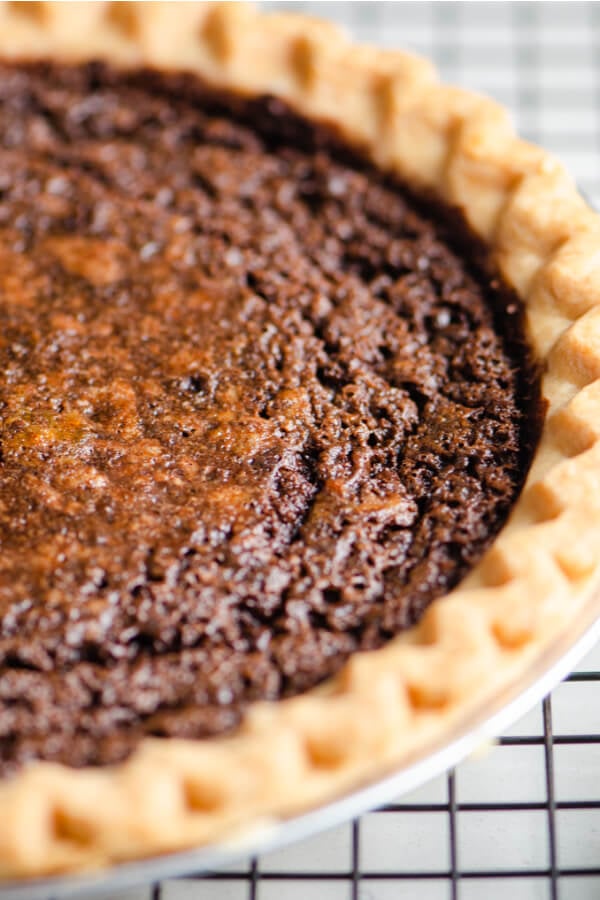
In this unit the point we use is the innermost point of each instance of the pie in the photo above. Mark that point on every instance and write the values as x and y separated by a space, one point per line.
300 414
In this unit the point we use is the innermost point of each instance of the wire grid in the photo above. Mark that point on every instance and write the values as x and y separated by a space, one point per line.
523 817
526 818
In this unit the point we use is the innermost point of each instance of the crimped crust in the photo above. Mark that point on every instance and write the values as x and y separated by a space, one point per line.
541 569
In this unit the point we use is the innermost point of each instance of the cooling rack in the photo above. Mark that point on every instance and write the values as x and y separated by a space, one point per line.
519 819
523 820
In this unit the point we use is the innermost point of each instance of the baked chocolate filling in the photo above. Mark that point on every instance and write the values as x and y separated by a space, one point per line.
257 410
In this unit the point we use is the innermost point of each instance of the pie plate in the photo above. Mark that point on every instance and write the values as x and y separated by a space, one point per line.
480 656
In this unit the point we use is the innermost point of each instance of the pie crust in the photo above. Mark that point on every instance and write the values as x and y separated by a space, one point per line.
386 706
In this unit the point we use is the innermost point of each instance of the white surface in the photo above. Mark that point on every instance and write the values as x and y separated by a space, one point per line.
543 60
505 775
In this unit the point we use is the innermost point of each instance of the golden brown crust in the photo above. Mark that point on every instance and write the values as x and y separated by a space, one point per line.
541 569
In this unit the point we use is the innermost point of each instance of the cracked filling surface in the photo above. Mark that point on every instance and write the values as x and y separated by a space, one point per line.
256 410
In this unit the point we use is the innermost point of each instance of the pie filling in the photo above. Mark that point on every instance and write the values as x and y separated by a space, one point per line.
260 405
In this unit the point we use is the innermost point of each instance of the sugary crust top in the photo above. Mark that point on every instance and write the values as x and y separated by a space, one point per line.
542 569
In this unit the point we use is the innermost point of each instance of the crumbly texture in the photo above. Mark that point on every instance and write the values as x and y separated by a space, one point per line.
256 411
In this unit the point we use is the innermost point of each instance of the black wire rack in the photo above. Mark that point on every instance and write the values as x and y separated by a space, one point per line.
525 821
571 870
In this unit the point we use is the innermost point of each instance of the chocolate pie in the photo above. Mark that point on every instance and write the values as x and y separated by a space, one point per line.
287 331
